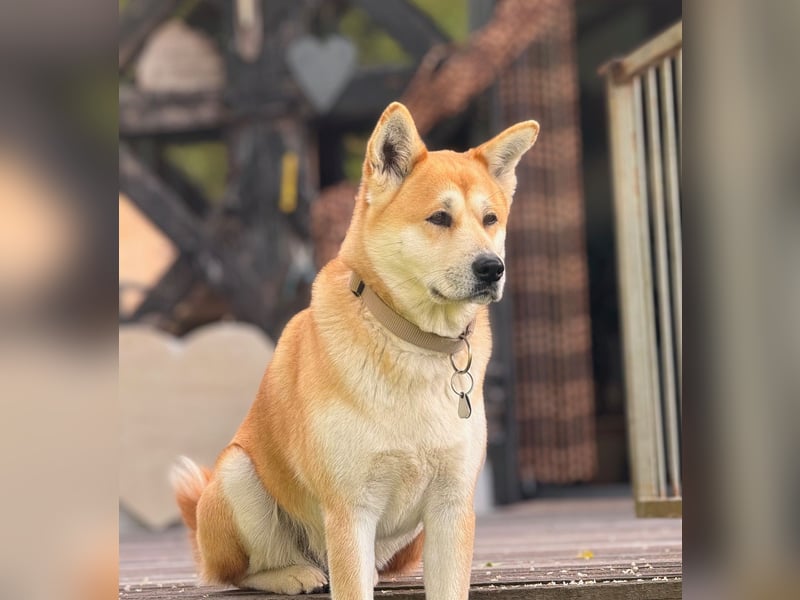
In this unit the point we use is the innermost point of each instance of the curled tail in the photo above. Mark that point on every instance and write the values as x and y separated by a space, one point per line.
189 480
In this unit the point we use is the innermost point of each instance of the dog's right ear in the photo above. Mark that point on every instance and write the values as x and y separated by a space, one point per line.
392 151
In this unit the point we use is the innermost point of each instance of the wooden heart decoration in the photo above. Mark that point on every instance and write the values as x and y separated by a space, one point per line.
322 68
180 397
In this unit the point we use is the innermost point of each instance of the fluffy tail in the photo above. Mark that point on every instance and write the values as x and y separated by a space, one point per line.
189 480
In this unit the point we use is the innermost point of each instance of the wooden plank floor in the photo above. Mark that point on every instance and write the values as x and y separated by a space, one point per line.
589 548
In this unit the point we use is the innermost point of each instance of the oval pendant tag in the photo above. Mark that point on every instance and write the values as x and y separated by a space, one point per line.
464 406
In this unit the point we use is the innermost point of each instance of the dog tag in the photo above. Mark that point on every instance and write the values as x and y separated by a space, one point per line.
464 406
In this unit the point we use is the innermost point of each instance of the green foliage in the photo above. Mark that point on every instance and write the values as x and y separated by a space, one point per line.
374 45
204 164
452 16
355 145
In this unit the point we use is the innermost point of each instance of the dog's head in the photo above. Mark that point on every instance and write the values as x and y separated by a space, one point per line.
431 226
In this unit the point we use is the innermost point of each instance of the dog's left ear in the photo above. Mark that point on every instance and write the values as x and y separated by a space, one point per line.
392 150
503 152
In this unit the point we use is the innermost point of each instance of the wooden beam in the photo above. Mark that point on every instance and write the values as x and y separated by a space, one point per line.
368 93
152 114
224 269
173 287
144 114
667 43
138 21
160 203
193 196
415 31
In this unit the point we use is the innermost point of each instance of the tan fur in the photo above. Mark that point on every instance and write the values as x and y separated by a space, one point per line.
353 441
223 560
407 559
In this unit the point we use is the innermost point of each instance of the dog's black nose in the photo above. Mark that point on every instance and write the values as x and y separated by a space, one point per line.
488 268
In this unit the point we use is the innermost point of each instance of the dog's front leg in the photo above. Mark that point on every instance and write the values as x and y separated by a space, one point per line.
447 554
350 538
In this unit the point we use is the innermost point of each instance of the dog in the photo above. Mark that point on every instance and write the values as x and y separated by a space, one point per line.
361 451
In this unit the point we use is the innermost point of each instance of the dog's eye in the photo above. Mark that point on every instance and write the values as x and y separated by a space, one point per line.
489 219
440 218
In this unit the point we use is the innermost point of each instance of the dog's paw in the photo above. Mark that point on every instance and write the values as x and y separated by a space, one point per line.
376 579
304 580
297 579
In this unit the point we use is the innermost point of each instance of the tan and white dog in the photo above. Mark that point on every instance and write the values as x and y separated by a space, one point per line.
356 440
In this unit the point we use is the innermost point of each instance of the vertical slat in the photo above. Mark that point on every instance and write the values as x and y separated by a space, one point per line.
679 84
673 207
634 265
662 278
645 250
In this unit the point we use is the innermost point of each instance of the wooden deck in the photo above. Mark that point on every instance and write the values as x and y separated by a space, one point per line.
589 548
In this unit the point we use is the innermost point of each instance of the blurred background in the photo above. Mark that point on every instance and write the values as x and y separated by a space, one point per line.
242 132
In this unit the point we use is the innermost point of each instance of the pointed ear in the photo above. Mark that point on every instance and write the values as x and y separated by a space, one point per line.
392 150
503 152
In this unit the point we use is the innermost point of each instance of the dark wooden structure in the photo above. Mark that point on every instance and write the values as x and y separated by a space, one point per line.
251 249
589 549
251 252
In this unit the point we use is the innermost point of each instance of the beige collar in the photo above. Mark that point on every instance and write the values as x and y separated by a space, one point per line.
403 328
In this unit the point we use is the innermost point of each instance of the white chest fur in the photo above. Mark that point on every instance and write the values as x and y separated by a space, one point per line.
398 438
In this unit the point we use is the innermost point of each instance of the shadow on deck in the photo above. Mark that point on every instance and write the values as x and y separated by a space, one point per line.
588 548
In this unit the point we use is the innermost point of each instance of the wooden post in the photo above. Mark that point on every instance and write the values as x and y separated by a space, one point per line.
271 185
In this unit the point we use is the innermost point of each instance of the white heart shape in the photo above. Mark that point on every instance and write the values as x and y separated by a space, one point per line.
180 397
322 68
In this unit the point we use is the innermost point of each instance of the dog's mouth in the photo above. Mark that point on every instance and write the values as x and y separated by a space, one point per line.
482 295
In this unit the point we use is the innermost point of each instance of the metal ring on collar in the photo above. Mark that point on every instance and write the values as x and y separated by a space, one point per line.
469 359
453 385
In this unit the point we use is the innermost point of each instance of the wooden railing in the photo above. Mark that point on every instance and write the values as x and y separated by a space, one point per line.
645 115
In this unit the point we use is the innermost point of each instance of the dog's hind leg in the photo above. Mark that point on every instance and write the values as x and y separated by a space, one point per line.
220 553
274 544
